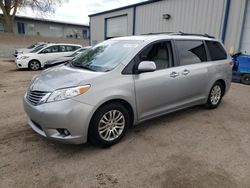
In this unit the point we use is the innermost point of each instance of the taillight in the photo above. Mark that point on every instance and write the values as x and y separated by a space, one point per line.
231 63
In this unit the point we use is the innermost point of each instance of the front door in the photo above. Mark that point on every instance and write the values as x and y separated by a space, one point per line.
157 91
49 53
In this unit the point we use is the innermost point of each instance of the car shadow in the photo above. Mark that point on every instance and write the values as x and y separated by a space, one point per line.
8 60
22 70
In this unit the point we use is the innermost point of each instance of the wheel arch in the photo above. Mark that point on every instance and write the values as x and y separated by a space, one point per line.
223 83
123 102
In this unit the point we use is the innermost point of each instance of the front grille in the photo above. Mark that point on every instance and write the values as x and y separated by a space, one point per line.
35 97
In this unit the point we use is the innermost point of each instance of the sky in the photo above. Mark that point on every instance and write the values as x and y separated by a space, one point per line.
77 11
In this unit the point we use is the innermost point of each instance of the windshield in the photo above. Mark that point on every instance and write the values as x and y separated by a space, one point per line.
77 52
38 48
105 56
32 46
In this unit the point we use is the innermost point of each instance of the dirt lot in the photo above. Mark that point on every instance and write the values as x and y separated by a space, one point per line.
192 148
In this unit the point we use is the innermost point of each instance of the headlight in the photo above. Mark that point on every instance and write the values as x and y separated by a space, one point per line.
62 94
23 57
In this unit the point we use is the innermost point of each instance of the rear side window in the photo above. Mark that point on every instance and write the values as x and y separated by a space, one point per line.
216 51
51 49
67 48
76 47
191 52
70 48
63 48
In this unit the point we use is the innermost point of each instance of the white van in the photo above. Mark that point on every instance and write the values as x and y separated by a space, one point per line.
35 59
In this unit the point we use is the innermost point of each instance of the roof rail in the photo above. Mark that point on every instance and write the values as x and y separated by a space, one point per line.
181 33
170 32
194 34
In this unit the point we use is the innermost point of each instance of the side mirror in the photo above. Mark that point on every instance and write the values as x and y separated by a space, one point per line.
146 66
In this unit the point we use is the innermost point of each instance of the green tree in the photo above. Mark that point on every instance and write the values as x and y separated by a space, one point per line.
10 7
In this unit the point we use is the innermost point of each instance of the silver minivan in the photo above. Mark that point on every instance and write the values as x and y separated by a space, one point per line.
124 81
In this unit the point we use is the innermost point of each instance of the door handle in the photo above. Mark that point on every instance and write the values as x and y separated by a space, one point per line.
174 74
185 72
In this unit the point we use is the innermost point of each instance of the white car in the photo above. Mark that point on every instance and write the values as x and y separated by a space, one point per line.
28 49
37 58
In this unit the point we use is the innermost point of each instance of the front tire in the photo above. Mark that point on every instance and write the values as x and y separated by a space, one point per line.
34 65
215 96
109 124
245 79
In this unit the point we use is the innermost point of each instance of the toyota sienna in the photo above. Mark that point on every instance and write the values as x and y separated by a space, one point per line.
125 81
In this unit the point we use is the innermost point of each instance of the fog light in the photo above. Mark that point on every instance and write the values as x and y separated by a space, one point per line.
63 132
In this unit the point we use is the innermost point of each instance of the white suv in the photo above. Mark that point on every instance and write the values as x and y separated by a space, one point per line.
35 59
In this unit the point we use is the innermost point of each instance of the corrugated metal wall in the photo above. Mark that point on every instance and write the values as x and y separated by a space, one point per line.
245 39
195 16
235 24
97 24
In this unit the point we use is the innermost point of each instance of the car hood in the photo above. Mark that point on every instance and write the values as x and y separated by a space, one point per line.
22 50
59 60
62 76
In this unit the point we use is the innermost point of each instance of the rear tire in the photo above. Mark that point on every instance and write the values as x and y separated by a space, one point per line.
215 96
109 124
245 79
34 65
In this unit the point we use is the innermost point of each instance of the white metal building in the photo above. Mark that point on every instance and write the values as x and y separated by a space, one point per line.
228 20
47 28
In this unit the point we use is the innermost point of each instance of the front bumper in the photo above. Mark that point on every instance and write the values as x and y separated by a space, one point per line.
46 119
22 63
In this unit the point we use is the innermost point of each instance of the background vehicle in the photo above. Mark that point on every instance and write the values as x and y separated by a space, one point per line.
28 49
125 81
64 59
241 69
36 58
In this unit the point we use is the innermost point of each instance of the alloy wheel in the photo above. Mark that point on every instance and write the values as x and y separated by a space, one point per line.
111 125
34 65
215 95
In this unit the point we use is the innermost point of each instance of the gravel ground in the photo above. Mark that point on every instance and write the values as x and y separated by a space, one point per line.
192 148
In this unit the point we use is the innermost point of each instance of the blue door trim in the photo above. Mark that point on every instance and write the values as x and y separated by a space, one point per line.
243 23
224 30
134 20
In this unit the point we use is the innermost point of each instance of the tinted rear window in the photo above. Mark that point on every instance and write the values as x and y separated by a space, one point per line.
191 52
216 51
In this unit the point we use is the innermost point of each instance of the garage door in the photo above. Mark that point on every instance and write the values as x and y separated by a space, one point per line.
245 43
117 27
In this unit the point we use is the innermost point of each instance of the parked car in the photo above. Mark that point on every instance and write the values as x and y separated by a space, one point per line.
28 49
65 59
36 58
124 81
241 69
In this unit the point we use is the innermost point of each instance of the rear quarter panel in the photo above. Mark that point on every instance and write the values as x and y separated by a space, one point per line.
220 70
